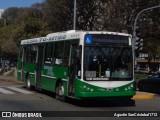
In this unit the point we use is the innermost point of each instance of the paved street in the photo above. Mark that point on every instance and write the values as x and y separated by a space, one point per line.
15 97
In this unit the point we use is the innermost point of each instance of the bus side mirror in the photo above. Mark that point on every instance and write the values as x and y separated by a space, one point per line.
69 70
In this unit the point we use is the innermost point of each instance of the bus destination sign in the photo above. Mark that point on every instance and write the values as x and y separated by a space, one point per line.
106 39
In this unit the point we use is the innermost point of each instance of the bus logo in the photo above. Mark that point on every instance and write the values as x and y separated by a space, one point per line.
88 39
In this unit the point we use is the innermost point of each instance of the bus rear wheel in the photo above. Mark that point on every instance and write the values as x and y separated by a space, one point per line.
60 92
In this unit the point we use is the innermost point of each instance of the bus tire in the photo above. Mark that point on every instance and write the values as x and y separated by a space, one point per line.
28 83
60 92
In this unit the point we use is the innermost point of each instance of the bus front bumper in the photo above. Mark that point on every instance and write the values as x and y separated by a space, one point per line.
106 95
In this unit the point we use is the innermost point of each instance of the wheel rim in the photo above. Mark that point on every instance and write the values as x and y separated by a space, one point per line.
28 83
61 91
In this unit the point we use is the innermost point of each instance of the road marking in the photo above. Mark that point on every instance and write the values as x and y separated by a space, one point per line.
6 91
20 90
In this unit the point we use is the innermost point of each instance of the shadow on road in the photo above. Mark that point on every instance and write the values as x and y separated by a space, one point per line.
93 103
102 103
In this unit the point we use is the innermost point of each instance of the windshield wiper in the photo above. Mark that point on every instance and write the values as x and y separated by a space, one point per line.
117 56
100 50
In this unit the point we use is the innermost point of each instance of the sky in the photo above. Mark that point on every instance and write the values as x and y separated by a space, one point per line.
4 4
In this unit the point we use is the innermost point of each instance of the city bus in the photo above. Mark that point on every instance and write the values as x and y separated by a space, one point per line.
79 64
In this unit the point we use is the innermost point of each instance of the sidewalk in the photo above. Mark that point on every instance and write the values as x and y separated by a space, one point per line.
9 76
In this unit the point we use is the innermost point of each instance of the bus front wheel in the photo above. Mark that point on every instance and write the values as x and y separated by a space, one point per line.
60 92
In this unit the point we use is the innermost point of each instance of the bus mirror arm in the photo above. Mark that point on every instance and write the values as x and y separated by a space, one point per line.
36 67
69 70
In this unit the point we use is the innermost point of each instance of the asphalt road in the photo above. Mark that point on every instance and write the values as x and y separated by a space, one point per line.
21 99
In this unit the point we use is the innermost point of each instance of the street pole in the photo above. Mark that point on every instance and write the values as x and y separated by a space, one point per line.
135 24
74 19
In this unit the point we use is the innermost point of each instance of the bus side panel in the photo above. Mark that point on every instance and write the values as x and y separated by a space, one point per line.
50 75
48 84
30 69
60 72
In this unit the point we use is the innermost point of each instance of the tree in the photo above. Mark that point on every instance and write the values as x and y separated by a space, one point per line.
11 14
31 23
88 14
7 45
58 14
149 30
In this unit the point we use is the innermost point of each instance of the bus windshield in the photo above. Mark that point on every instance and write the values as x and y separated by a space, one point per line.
108 63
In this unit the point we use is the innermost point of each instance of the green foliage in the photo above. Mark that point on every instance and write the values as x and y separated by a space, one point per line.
7 45
59 14
149 30
88 14
11 14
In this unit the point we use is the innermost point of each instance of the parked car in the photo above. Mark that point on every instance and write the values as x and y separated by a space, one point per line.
151 84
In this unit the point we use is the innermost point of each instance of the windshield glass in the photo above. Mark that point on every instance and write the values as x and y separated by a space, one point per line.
108 63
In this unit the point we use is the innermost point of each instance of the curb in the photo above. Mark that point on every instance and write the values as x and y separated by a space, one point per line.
144 96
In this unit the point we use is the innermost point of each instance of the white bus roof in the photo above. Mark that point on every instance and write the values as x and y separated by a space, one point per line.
67 35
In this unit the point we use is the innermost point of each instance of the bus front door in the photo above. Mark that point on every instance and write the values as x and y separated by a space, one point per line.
72 70
39 66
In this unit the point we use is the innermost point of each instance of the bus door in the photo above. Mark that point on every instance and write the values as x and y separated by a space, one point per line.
39 66
72 69
22 62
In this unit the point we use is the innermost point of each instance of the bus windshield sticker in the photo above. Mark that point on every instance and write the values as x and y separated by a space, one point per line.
97 79
90 74
88 39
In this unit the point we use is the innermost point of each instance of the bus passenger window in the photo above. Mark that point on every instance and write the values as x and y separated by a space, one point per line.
58 55
66 53
48 53
31 54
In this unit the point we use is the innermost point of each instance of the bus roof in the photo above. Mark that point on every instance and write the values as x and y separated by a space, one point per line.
67 35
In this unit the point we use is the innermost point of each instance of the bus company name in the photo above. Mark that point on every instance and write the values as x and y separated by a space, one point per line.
38 40
55 38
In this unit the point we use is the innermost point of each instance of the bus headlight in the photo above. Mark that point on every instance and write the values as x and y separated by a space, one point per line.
91 90
88 88
84 86
131 85
117 89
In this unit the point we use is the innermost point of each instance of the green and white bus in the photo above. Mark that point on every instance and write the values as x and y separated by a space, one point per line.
79 64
